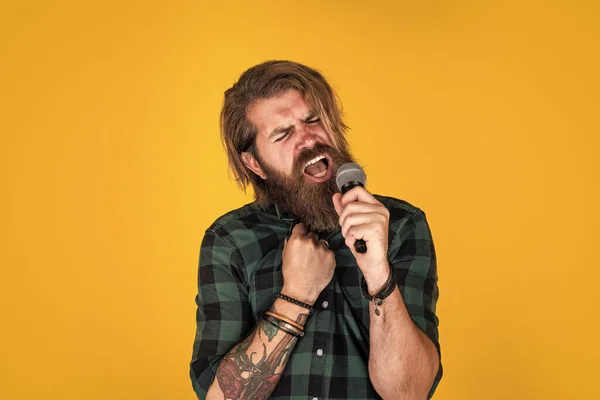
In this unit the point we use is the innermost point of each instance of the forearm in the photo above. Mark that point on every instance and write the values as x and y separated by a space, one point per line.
403 362
252 369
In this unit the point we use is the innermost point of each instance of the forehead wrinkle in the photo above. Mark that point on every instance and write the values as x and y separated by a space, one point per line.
281 109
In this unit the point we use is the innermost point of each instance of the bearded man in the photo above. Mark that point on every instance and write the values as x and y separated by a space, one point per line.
287 308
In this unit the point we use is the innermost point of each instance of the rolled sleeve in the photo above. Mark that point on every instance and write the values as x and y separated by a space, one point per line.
223 315
414 262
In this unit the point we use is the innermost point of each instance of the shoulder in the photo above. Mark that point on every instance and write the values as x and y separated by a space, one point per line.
245 224
233 218
404 216
400 210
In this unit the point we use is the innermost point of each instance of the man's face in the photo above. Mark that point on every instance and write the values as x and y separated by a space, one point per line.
296 158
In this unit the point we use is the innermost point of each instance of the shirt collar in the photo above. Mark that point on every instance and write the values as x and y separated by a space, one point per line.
288 217
274 208
283 214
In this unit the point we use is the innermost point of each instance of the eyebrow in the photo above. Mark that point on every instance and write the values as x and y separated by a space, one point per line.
310 116
283 129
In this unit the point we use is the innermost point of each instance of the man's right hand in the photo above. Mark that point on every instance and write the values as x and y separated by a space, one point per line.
307 265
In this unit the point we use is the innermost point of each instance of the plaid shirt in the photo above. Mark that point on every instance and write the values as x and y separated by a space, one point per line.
240 271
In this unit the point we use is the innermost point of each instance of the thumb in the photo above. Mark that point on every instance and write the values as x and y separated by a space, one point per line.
337 203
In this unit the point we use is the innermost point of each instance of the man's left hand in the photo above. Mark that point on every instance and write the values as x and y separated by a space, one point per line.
363 217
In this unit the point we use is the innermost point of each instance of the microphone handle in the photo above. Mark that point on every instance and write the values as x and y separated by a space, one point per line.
360 246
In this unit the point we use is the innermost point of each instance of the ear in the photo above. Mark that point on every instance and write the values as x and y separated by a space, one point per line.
253 165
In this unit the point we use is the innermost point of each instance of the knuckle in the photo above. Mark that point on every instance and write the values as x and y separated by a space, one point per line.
355 189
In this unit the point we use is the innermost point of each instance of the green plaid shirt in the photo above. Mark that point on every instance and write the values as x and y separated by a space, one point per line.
240 271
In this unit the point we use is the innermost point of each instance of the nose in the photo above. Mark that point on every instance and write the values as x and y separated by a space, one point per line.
307 139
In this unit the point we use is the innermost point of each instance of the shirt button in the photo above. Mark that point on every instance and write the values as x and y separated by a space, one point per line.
320 352
325 304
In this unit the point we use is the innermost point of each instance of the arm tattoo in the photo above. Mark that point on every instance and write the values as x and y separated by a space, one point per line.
244 376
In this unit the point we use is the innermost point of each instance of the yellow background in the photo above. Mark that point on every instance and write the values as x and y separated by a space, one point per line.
482 113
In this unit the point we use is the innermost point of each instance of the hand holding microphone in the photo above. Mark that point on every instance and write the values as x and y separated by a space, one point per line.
365 223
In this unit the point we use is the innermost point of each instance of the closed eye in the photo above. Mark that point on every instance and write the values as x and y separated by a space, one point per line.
314 121
280 138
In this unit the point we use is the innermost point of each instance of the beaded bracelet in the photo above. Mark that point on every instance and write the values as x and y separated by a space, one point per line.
282 296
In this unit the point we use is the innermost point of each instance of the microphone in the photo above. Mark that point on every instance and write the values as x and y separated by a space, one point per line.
349 176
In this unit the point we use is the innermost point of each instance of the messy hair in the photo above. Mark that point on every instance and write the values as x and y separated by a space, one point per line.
264 81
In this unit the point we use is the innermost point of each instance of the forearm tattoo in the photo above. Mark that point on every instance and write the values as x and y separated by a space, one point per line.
242 375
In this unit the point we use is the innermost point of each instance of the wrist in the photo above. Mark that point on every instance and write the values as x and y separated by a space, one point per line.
379 295
377 281
289 299
291 311
300 295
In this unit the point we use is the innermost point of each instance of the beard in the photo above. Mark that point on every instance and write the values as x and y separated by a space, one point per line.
310 202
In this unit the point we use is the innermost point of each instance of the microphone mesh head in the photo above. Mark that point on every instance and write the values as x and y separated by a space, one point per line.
350 172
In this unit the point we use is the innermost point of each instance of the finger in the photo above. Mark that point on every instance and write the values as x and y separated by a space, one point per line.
325 243
355 234
354 220
358 207
350 240
337 202
366 232
313 236
358 193
300 229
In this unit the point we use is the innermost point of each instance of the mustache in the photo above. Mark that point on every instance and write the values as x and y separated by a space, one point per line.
309 154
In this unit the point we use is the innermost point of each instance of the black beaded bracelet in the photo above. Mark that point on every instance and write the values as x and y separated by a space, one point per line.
282 296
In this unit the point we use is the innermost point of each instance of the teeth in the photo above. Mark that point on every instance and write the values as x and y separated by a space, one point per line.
314 160
320 174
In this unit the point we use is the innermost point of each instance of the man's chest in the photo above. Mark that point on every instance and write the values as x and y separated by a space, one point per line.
341 302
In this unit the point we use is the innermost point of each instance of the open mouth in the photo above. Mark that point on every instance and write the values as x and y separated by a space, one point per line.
318 169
